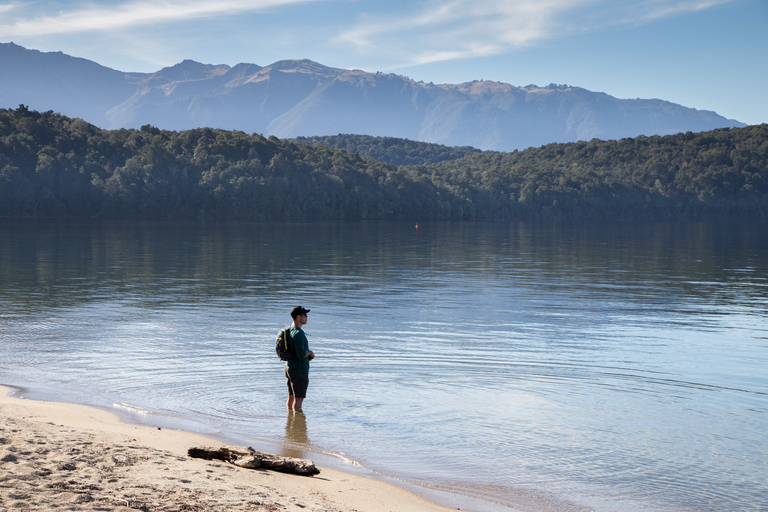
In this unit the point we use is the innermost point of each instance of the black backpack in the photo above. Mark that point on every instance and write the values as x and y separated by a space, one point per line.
284 345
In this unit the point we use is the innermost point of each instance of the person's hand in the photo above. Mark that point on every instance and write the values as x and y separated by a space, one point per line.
311 355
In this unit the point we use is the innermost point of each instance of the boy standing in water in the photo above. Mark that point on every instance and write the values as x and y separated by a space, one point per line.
297 370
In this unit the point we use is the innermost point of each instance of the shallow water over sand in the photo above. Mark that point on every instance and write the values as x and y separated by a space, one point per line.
615 366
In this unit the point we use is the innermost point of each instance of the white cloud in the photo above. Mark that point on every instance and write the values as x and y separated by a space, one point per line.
132 14
443 30
459 29
652 10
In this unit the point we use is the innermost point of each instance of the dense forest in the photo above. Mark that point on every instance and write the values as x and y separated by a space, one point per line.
390 149
51 165
719 174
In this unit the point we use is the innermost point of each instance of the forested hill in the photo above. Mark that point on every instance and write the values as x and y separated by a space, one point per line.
51 165
390 149
721 174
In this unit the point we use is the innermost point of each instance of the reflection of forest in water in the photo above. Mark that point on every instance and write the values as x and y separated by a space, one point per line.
52 260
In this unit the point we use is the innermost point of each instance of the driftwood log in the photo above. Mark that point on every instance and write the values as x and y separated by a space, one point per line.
247 457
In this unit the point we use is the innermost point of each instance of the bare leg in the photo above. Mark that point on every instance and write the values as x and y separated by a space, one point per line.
290 402
297 403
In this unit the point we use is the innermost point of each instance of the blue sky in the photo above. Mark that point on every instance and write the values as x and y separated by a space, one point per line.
705 54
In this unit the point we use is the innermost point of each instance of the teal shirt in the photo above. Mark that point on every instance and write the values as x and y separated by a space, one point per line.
300 346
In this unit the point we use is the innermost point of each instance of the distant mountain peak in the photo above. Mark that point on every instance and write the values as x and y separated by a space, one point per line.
14 47
478 87
192 70
301 66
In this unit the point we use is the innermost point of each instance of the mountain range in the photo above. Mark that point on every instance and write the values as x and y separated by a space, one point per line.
295 98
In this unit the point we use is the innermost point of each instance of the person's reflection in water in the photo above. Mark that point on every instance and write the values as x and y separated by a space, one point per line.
296 434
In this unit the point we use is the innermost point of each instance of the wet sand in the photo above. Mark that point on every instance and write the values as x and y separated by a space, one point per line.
58 456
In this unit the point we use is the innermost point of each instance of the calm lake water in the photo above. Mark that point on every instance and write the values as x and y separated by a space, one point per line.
607 367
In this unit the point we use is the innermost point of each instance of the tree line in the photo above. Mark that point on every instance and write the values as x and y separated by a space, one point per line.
51 165
390 149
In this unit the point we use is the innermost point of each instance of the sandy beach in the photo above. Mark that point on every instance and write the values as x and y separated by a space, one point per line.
58 456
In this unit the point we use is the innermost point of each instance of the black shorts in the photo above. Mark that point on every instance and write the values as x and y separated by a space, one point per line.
298 382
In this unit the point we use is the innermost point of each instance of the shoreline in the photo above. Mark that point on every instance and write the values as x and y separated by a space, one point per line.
84 458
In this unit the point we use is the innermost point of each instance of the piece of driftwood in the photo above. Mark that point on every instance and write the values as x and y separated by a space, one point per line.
247 457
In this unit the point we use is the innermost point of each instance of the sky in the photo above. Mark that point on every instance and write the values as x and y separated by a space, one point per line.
704 54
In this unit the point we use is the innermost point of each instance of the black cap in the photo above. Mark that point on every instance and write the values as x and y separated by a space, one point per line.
298 310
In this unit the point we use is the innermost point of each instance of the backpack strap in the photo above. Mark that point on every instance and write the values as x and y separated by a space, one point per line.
289 339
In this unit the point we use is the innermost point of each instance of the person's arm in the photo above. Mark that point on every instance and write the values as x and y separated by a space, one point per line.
305 346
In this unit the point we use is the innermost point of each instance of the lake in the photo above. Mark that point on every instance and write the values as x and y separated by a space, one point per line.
603 366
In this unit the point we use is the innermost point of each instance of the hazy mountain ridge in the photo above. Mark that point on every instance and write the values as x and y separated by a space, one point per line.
294 98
